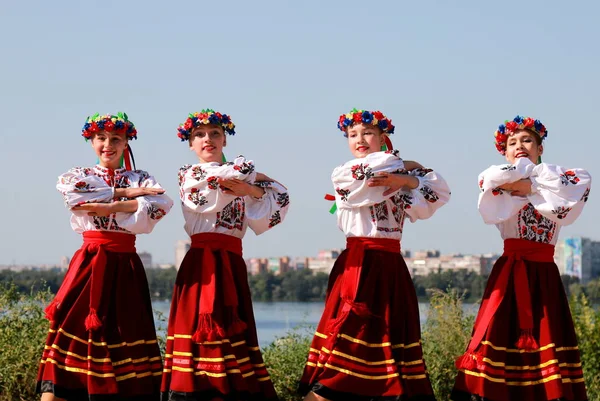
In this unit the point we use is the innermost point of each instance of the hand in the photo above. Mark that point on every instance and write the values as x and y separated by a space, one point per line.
135 192
518 188
394 182
237 187
96 209
410 165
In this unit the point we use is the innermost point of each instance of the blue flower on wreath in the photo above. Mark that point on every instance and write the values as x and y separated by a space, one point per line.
501 128
518 120
367 117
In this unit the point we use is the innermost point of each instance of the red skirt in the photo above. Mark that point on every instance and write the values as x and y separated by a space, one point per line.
116 357
551 370
228 364
374 351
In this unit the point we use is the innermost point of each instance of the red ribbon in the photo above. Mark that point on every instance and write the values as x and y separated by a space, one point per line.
207 327
127 159
388 143
516 251
95 243
351 277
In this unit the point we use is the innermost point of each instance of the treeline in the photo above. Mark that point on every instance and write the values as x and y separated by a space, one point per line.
296 285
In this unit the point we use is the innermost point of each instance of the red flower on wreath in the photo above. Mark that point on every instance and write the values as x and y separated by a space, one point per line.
511 126
109 126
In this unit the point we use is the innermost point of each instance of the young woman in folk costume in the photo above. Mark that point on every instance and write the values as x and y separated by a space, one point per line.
212 348
368 342
523 345
102 342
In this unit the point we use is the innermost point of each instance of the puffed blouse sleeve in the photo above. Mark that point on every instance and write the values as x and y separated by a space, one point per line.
268 211
559 193
350 179
79 185
495 204
432 193
151 208
199 189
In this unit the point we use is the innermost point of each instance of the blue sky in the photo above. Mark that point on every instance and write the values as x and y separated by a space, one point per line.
446 72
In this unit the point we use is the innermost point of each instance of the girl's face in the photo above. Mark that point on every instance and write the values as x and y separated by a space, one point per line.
109 147
208 141
364 139
523 144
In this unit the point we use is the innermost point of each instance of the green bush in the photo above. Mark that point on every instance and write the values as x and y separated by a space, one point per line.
23 330
587 327
445 337
285 359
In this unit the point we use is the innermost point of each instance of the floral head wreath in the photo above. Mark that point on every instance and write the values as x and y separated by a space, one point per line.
109 123
206 116
375 118
518 123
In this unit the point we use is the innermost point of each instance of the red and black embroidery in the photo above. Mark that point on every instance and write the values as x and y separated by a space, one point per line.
198 173
181 174
196 198
232 216
561 212
343 193
212 182
81 186
156 213
143 176
106 223
122 181
283 199
379 212
586 194
429 195
400 202
85 171
421 172
481 185
497 191
361 172
264 184
275 219
101 222
569 177
244 168
406 198
535 227
394 152
508 167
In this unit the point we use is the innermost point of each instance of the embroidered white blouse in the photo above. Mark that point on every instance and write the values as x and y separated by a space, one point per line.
557 198
363 211
206 208
97 184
